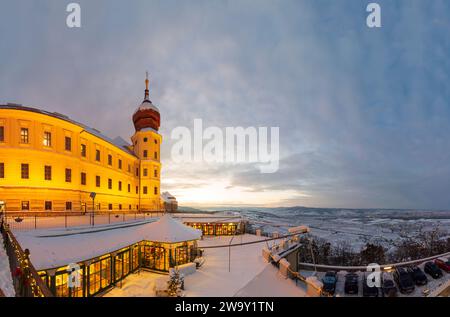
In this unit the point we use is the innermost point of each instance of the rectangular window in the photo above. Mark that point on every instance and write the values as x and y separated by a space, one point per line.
83 150
83 178
145 172
25 205
155 190
129 168
137 171
25 169
2 134
156 155
156 141
156 173
137 189
145 190
120 186
47 139
68 205
109 206
97 155
109 183
68 143
24 135
2 170
145 140
120 206
109 159
47 173
48 206
129 188
97 181
145 153
68 175
120 164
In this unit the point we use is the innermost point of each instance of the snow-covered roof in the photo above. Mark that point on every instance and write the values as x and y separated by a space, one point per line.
168 197
147 104
169 230
52 248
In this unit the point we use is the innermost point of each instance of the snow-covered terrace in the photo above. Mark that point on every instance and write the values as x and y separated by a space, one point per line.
246 274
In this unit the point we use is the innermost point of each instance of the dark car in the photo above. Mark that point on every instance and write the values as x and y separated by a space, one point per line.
351 283
443 264
369 291
329 283
388 287
433 270
404 281
417 275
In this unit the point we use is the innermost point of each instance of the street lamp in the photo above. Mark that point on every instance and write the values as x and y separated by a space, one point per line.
92 195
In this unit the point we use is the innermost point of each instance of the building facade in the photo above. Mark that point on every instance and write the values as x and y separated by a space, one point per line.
49 162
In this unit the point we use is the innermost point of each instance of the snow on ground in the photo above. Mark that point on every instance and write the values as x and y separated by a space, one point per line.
141 284
248 274
270 283
6 283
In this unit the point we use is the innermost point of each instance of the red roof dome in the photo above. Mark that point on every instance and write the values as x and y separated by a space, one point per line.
147 115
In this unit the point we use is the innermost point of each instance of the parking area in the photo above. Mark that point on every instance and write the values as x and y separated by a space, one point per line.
419 291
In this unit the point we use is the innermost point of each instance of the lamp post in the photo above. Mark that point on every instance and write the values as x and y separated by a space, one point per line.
92 195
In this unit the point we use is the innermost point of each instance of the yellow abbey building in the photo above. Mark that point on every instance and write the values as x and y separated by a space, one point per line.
49 162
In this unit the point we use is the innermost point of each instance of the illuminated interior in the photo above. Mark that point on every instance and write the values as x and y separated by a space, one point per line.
104 272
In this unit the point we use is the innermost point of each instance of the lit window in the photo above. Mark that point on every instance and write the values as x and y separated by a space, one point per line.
25 171
24 135
47 139
83 150
25 205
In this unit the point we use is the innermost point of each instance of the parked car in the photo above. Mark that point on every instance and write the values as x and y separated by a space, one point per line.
433 270
404 281
443 264
388 287
351 283
329 283
369 291
417 275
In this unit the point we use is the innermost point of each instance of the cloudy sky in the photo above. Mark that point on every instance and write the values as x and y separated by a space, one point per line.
364 114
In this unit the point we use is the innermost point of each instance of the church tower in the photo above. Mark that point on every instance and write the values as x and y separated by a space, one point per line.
146 146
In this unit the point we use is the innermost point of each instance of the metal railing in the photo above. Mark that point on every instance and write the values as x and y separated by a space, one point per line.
26 280
47 220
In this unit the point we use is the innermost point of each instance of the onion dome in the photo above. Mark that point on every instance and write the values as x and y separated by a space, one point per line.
147 115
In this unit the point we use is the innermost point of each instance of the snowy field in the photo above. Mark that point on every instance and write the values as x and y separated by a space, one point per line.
355 226
6 283
248 274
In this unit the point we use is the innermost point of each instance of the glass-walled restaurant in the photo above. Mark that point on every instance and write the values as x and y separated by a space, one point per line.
217 229
97 275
